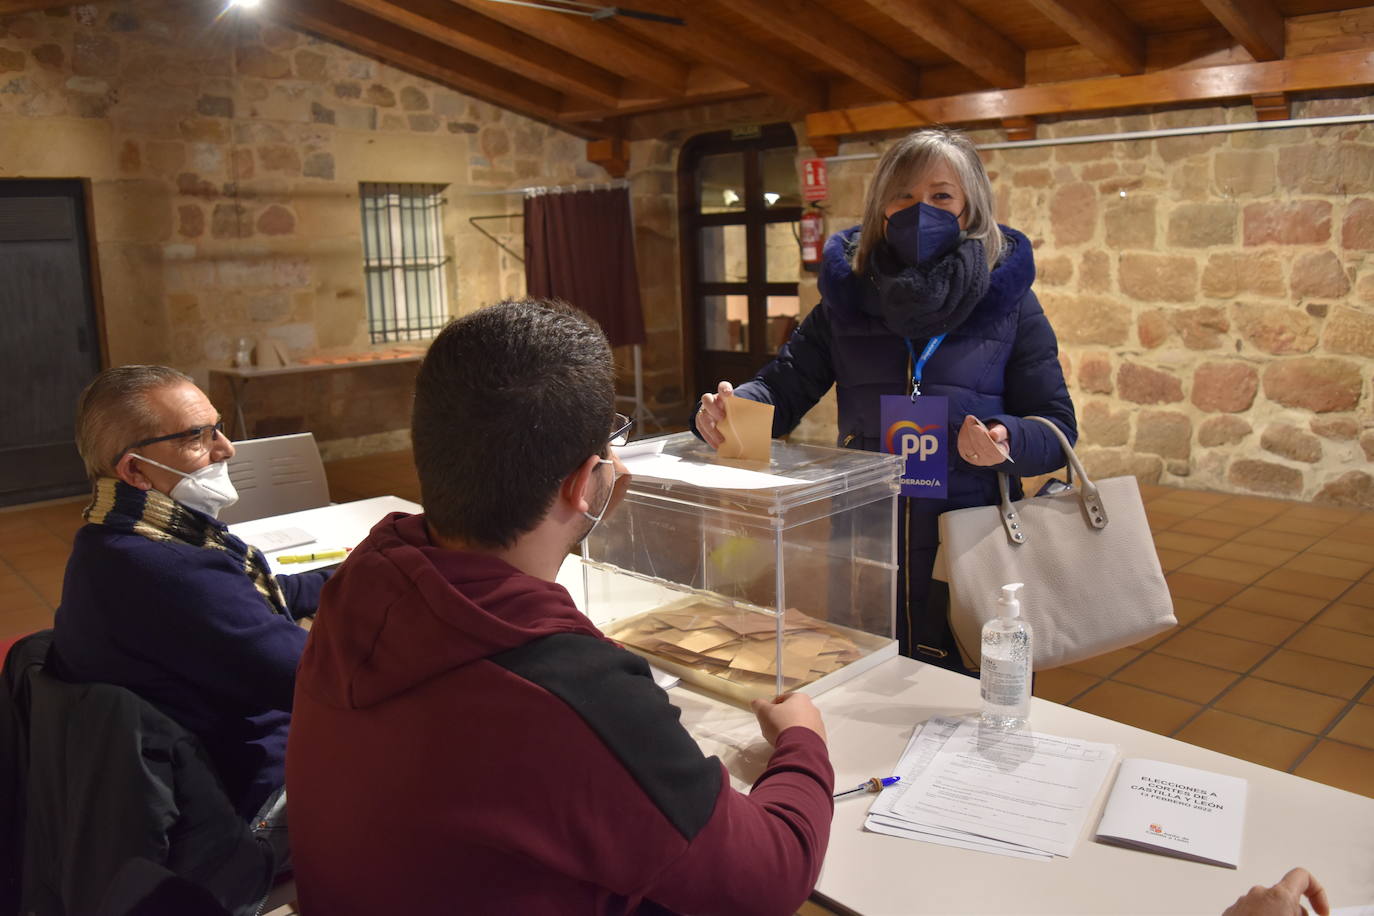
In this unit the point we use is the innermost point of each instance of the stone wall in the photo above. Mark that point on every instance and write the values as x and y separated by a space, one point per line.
1213 295
224 158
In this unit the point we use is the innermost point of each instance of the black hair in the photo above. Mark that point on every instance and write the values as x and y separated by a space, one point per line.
509 400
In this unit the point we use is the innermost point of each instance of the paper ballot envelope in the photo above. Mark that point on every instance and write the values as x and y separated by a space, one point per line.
747 429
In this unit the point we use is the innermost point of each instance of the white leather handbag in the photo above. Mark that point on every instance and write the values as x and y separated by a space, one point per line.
1092 578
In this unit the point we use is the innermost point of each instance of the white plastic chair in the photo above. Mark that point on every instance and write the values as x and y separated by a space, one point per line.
276 475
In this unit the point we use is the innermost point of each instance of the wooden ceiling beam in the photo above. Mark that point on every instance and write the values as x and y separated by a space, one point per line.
1101 28
1256 24
964 37
1165 87
497 44
811 28
12 7
403 48
703 38
704 85
592 41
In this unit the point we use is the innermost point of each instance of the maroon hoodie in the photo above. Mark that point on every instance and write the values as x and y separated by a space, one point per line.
465 741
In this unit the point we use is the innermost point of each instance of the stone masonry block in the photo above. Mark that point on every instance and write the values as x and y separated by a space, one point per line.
1353 488
1166 433
1073 214
1130 223
1202 328
1094 272
253 60
1087 319
1335 428
1357 229
1227 275
1156 277
1103 426
1095 373
1299 222
1243 173
1265 477
1224 386
1152 328
1319 275
1319 384
1203 225
1277 329
1350 331
1223 430
1144 385
1292 443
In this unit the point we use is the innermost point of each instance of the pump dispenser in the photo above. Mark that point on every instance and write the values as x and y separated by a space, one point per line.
1005 676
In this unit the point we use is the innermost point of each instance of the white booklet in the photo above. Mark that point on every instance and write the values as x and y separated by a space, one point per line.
1176 811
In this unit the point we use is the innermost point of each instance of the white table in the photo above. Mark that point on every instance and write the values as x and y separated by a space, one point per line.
1289 820
333 527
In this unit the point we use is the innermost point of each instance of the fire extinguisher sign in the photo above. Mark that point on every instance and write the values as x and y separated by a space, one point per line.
815 185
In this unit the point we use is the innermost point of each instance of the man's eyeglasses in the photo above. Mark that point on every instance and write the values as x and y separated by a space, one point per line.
197 437
620 429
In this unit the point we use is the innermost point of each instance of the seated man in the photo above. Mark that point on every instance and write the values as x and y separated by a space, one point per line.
465 740
161 599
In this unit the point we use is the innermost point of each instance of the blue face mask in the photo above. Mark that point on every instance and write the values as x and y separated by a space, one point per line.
922 233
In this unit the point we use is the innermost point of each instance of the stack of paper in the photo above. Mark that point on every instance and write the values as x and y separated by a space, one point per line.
1018 794
740 647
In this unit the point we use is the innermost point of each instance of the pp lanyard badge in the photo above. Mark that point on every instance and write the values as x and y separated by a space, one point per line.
917 428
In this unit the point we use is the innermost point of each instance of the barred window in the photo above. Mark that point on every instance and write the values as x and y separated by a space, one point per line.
403 260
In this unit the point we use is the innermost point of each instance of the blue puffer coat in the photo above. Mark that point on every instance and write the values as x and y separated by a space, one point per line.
1000 365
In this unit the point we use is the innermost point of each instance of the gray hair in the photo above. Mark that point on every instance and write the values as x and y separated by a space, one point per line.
113 411
903 164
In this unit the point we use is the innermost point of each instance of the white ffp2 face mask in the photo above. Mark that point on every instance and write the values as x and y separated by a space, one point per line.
208 489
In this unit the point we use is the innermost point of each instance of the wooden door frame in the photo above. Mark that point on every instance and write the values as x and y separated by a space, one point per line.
691 221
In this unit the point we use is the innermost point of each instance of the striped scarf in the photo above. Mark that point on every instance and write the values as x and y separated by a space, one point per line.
158 517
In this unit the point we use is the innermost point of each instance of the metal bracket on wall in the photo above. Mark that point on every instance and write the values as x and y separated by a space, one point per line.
474 220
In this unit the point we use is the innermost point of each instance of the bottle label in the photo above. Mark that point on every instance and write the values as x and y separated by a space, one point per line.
1002 681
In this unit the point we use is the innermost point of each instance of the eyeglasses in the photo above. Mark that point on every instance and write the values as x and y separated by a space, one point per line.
199 438
620 429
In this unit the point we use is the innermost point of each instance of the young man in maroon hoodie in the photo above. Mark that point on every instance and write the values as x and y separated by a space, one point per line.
464 739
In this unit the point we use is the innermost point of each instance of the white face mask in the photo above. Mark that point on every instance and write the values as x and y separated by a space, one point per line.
208 489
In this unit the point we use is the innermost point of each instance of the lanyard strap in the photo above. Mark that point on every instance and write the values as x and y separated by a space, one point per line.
918 366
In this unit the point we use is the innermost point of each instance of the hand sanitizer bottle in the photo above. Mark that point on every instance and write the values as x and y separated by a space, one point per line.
1005 676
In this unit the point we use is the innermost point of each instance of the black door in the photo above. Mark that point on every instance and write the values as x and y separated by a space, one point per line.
740 203
49 337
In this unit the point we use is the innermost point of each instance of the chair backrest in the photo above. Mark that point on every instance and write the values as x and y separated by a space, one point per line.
275 475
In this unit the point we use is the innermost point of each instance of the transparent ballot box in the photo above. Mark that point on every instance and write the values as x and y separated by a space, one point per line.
749 578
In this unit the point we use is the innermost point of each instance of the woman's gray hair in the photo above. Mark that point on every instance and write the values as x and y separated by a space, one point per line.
904 163
113 411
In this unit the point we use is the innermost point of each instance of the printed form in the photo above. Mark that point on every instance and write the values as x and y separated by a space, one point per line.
1016 793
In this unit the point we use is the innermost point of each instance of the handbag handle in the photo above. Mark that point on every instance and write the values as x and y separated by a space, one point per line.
1089 499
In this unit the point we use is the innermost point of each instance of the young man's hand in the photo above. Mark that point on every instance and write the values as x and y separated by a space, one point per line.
781 713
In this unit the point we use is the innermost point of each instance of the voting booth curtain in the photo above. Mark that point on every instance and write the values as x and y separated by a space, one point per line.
579 247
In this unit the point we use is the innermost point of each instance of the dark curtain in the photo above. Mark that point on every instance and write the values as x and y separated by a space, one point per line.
579 247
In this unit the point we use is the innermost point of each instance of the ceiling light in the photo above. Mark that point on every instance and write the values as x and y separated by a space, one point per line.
729 196
771 198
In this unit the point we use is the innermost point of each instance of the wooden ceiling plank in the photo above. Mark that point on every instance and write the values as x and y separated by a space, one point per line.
13 7
811 28
591 41
1256 24
703 39
403 48
1166 87
496 43
1101 28
967 39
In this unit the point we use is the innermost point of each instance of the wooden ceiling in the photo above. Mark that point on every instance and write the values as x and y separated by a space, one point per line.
854 66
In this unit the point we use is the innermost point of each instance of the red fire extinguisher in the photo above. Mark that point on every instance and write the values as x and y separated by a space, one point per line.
812 238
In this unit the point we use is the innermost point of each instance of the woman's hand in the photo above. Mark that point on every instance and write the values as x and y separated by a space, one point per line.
1283 899
712 414
983 446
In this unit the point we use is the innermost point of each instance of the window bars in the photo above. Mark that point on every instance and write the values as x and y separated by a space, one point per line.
403 260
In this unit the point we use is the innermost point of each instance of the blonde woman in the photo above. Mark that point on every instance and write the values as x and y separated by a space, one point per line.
928 301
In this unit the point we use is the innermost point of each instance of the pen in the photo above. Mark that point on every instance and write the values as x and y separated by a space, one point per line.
312 557
873 785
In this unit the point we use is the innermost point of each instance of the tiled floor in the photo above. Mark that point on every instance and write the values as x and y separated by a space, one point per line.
1273 659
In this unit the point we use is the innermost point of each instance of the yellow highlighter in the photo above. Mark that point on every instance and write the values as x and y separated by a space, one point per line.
312 557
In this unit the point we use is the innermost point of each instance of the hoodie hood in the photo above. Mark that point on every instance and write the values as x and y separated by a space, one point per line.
852 297
402 610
